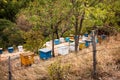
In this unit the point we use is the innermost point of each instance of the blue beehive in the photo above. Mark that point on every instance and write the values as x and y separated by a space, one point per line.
86 35
45 53
87 43
96 40
103 37
67 39
10 49
1 51
56 41
75 37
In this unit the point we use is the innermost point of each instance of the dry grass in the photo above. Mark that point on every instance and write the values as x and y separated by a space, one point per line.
108 65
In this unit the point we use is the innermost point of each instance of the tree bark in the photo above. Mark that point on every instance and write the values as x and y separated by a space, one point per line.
78 29
76 33
53 54
56 32
94 54
81 21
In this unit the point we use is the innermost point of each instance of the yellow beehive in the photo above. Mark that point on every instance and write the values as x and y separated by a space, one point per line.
27 59
81 46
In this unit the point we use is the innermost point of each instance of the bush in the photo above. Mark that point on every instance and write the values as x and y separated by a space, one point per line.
33 40
57 71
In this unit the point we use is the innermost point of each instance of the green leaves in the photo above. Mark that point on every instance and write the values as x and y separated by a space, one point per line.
9 8
61 14
34 40
10 34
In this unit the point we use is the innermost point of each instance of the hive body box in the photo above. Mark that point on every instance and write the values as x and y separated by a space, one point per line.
20 48
103 37
86 35
45 53
67 39
27 59
81 45
1 50
63 50
72 47
56 41
87 43
62 40
10 49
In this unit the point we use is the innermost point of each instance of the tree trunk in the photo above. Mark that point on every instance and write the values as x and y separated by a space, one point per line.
53 54
81 21
80 26
53 45
56 32
76 33
78 29
94 54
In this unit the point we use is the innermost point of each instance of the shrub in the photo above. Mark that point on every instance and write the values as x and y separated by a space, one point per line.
57 71
33 39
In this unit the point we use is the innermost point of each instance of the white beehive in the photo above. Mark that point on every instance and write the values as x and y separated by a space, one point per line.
63 50
20 48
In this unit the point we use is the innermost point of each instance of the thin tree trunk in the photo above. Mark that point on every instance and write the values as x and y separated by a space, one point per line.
94 54
76 33
81 21
53 45
56 32
53 54
78 29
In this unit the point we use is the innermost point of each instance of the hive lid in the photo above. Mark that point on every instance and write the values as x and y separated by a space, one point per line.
56 39
88 40
1 48
10 47
81 42
67 38
63 47
61 38
20 46
45 49
27 54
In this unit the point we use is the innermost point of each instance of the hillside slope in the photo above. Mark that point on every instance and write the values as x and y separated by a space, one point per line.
70 67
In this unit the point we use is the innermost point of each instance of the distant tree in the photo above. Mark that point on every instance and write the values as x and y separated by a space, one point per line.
23 23
9 8
10 34
33 40
47 14
89 13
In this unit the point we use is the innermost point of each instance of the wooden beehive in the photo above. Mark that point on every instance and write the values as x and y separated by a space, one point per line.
81 46
99 39
27 59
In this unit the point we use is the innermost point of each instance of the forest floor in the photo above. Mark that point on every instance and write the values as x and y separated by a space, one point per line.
75 66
